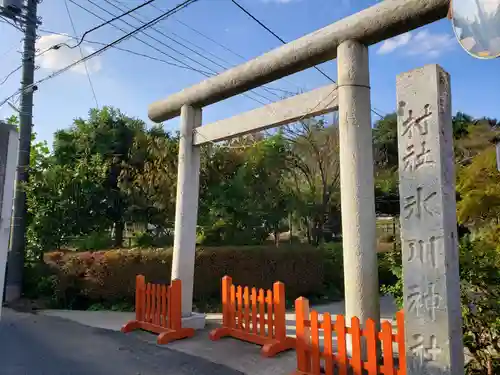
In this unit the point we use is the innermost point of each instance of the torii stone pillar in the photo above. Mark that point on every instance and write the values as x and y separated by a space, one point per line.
186 214
357 183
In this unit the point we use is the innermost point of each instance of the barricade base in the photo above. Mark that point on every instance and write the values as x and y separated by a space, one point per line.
165 335
270 347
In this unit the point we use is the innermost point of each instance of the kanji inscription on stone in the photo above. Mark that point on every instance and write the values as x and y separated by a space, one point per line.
416 204
417 156
423 251
431 287
415 123
423 300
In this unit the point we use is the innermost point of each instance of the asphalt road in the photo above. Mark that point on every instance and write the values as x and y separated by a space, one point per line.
43 345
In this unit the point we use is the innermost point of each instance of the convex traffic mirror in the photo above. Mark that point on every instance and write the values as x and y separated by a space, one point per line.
476 24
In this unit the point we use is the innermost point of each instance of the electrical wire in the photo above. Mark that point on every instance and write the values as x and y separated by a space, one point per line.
116 17
166 14
167 36
128 51
284 42
189 48
4 79
9 22
274 34
151 37
222 46
139 39
79 44
163 52
206 37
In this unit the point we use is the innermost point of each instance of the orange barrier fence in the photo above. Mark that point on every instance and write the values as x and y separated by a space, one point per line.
254 316
158 310
311 360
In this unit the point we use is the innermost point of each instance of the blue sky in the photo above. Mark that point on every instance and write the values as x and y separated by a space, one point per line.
131 82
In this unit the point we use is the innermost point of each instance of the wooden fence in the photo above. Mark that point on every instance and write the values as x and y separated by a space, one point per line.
256 316
311 360
158 310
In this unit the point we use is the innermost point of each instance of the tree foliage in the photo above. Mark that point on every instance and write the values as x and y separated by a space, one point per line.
479 190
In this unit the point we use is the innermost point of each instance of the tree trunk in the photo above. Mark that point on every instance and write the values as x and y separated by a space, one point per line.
290 232
318 232
308 231
276 238
119 228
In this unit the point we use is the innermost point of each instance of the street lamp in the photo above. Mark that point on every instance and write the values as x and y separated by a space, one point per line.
476 24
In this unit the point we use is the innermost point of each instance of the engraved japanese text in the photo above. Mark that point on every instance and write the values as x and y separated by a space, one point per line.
423 301
423 251
426 353
418 203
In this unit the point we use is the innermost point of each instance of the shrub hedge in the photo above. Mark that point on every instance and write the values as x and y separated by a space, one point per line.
106 278
84 278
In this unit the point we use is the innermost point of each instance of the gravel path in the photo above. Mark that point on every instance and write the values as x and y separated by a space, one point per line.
43 345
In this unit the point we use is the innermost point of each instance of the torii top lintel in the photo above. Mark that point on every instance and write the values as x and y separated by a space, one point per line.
382 21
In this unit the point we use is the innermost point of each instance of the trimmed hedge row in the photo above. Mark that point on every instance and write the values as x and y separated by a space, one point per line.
109 276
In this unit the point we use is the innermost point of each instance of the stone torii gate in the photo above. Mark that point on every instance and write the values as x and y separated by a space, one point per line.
348 41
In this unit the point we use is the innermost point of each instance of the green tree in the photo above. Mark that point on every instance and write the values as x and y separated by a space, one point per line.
150 177
110 134
64 201
385 142
242 200
479 190
314 176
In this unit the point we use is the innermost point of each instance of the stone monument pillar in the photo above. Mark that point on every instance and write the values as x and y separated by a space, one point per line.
433 330
9 143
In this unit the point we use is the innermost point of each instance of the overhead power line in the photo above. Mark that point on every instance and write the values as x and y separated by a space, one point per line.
137 18
7 76
7 21
284 42
81 52
155 20
207 37
108 22
139 39
211 71
150 36
204 56
274 34
125 50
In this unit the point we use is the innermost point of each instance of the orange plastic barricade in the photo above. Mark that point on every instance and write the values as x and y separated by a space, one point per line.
254 316
158 310
311 360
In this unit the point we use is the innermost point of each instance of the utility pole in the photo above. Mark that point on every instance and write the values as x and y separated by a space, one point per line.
15 262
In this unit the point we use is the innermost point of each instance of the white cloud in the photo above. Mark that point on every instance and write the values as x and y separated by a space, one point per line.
432 45
390 45
64 56
423 43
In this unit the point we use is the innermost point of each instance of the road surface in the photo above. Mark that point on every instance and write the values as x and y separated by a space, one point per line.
44 345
